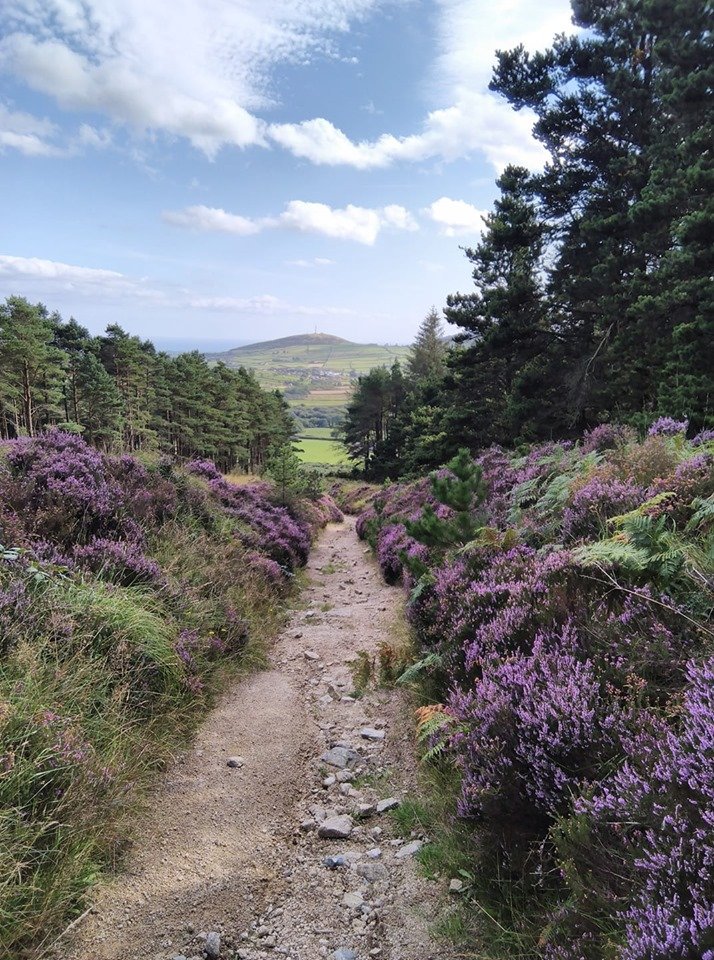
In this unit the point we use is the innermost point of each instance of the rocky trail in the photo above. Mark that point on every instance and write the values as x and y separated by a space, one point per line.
271 836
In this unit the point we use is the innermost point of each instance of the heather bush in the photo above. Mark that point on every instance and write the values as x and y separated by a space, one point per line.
667 427
567 645
599 499
606 436
392 542
532 730
127 589
638 850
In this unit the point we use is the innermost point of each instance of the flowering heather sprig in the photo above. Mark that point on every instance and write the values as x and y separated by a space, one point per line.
595 502
537 726
668 427
651 823
204 468
124 562
704 436
606 436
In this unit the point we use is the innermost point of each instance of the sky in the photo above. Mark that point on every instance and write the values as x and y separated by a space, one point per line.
241 170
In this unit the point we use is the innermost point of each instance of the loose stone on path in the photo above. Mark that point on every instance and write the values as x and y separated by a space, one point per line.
337 828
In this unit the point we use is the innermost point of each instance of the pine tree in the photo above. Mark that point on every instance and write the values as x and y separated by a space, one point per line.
31 366
428 352
461 488
505 342
97 403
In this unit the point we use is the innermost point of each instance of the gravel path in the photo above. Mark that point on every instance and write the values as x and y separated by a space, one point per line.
268 838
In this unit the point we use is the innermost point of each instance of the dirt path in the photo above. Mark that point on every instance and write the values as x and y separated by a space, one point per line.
236 852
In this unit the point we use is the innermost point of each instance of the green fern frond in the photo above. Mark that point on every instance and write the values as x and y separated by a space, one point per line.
643 510
612 552
703 513
430 662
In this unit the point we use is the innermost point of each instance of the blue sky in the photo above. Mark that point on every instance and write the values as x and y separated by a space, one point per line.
249 169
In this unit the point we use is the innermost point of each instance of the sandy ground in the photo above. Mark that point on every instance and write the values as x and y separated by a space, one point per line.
236 852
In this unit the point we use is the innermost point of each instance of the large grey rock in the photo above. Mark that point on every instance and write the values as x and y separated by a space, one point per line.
337 828
343 953
235 762
340 757
212 946
391 803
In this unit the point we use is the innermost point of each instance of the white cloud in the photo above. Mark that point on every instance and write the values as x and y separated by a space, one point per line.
30 135
456 217
472 120
36 277
307 264
361 224
265 305
476 122
201 69
212 220
83 280
39 137
194 69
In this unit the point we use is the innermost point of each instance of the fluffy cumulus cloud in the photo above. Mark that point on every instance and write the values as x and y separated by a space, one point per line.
470 119
204 71
476 122
50 276
361 224
194 69
41 275
456 217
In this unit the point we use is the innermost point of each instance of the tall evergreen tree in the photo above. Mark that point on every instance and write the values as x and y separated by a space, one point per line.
505 358
427 357
31 368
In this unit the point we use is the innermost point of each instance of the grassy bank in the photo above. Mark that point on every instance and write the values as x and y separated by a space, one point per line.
129 595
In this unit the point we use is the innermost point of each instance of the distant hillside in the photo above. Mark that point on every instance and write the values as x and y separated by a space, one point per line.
283 343
315 371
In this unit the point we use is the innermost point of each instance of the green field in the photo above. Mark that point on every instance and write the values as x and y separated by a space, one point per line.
316 433
314 371
321 451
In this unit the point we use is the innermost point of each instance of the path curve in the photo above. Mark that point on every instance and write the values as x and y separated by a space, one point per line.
236 851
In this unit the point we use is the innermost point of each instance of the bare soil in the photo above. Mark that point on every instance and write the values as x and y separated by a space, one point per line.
235 851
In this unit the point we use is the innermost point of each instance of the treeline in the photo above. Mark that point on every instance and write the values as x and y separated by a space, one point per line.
122 394
593 298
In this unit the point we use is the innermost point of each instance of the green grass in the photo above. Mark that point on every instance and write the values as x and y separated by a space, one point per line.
316 433
92 705
329 452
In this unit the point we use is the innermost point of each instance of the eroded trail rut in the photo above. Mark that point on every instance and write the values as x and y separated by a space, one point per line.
236 851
